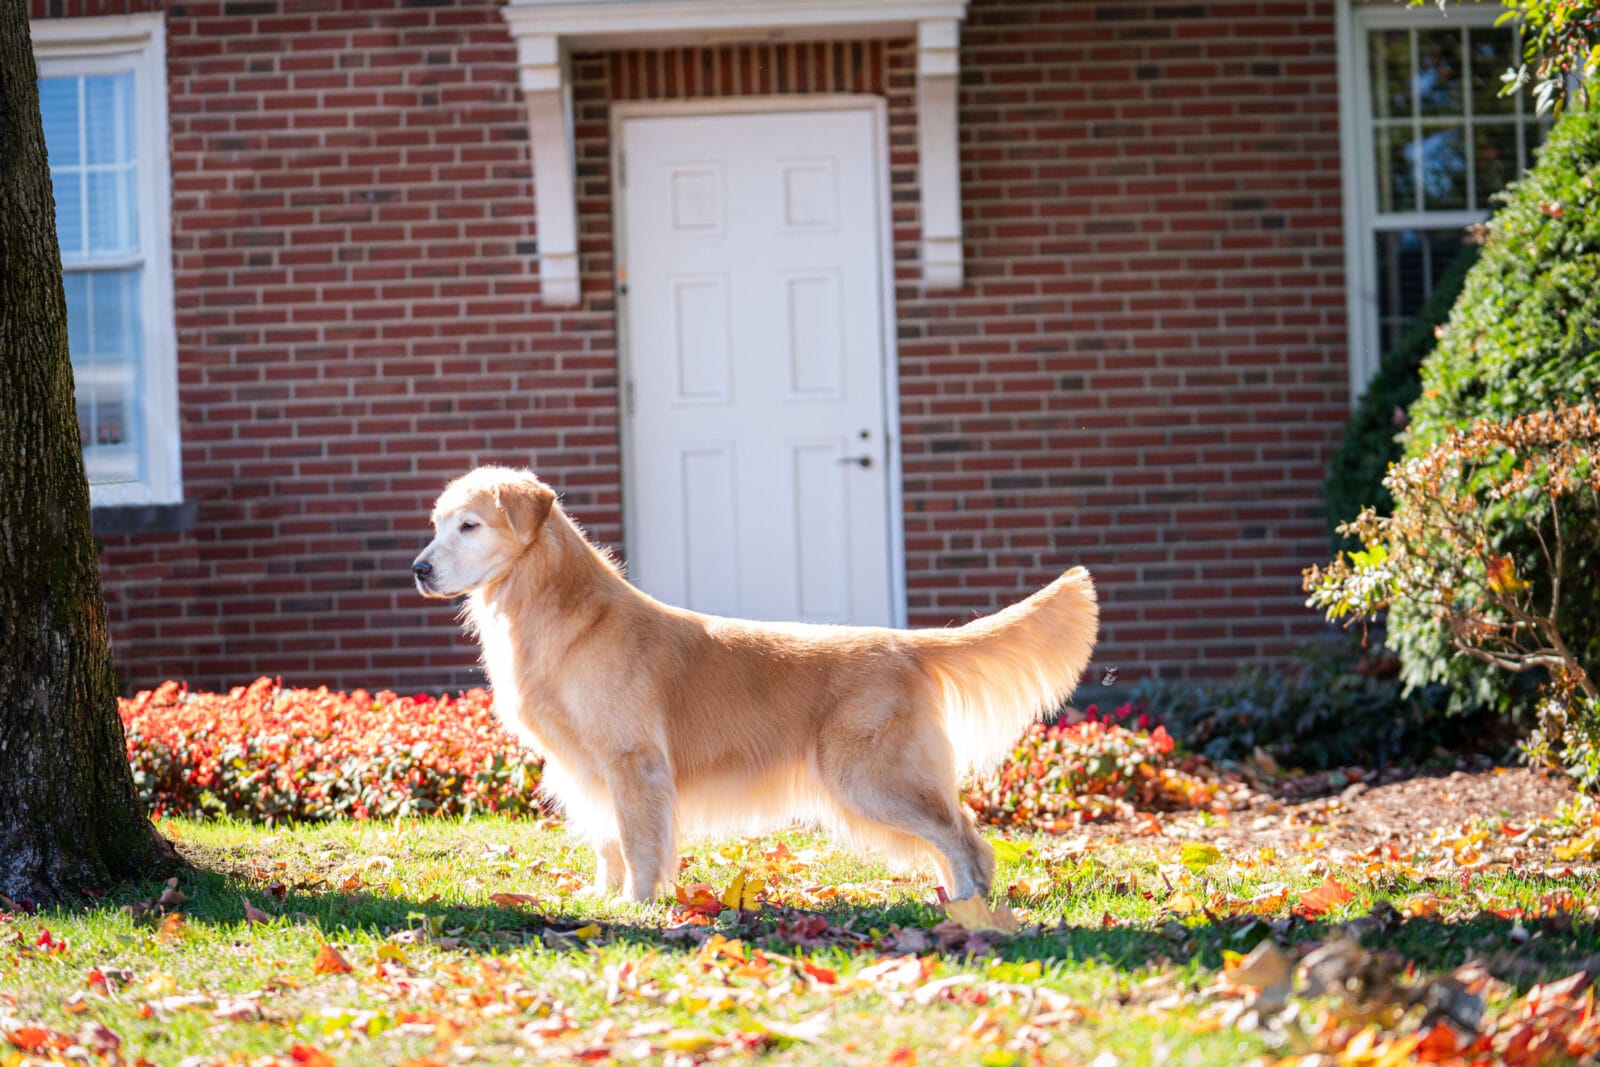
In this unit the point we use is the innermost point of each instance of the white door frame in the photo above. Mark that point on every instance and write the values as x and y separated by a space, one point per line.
888 351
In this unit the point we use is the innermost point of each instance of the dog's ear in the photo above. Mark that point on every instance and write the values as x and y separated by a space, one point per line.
526 505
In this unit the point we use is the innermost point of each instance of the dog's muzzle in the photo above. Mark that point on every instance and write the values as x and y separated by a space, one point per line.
422 573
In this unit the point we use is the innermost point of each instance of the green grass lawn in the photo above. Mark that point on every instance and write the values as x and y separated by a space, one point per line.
1120 957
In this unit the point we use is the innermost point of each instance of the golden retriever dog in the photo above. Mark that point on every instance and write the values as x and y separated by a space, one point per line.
655 721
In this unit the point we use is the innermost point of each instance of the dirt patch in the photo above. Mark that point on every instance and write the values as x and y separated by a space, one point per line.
1373 809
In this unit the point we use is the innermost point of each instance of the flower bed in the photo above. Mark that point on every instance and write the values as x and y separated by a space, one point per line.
1059 776
265 753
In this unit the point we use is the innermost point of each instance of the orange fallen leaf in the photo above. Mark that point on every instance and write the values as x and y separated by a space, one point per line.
512 899
253 914
310 1057
329 961
1319 901
31 1039
821 974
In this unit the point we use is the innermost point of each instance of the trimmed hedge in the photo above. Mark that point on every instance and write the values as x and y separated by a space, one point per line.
1524 334
1336 705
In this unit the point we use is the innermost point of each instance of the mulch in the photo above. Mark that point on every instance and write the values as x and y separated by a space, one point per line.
1352 812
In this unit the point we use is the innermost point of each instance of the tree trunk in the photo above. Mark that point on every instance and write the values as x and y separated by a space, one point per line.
69 817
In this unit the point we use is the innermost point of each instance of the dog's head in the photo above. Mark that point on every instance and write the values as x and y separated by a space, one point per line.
483 522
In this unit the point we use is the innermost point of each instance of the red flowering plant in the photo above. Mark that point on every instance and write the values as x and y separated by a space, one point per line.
1061 775
266 753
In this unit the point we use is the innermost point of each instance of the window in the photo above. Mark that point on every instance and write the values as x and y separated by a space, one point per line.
1428 141
103 95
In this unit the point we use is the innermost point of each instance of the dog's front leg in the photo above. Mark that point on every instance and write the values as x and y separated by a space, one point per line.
645 798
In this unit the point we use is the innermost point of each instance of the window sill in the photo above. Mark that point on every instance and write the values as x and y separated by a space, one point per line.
143 518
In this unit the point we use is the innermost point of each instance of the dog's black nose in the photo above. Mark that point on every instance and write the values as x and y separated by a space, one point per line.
421 569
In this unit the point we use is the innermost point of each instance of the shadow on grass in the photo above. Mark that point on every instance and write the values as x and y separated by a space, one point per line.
1521 952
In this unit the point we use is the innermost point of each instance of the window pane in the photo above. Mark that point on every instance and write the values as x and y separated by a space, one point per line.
108 118
1444 168
1533 136
1397 184
1494 155
114 314
1439 72
76 285
104 333
1391 74
111 216
68 185
1410 263
1491 57
58 104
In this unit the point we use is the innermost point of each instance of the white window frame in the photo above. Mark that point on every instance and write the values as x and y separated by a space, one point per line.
75 47
1361 215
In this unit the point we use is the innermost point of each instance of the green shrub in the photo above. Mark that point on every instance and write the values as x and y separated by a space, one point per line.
1335 705
1524 335
1372 438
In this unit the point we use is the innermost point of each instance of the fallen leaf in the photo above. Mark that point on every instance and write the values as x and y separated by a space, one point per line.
974 913
253 914
1197 855
1318 902
329 961
171 896
1267 969
1183 902
307 1056
509 900
743 893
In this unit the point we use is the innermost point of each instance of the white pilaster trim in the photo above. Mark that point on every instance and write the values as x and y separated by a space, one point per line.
546 31
939 152
547 93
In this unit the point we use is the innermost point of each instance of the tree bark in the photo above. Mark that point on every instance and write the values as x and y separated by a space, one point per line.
70 819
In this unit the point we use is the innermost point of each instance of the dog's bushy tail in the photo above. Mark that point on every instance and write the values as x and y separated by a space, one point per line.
1004 671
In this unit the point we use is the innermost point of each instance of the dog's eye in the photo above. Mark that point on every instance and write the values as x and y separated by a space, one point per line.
467 526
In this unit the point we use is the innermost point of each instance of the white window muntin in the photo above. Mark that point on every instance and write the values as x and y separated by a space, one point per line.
133 47
1372 226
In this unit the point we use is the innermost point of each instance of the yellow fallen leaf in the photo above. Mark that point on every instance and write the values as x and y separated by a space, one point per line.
974 913
392 952
744 892
1582 848
587 932
1183 902
687 1041
1267 967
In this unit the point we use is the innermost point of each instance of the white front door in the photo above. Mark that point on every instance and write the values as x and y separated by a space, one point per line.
756 472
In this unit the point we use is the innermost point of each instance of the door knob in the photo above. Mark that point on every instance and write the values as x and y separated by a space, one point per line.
860 461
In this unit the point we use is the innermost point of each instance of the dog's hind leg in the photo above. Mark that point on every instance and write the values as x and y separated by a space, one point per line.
902 777
644 797
608 866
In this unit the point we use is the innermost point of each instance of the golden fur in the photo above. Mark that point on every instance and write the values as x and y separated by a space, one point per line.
654 720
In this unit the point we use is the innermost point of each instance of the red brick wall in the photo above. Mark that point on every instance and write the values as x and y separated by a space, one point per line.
1144 374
